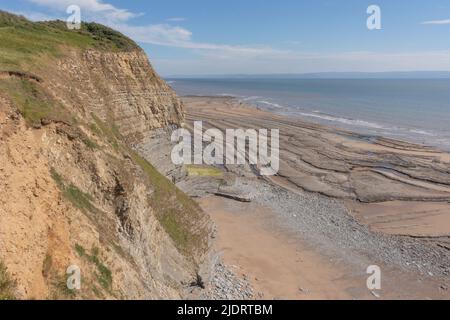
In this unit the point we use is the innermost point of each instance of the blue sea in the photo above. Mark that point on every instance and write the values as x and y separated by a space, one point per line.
406 109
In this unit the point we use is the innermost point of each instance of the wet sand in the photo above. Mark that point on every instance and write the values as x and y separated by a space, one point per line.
277 266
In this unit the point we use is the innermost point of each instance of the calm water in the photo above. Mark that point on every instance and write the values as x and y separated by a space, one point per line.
415 110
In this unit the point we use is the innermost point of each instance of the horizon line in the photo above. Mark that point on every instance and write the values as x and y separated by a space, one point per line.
436 73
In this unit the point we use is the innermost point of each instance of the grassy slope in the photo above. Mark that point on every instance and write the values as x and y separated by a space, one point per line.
33 102
23 41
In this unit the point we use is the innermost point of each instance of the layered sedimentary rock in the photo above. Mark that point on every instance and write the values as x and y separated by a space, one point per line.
121 87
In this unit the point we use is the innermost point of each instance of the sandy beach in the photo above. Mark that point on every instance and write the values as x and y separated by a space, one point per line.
340 203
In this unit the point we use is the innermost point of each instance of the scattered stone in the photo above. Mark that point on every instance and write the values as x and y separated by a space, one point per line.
237 197
376 295
226 285
303 291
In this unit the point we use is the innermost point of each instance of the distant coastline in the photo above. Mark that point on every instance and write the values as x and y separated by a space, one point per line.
326 75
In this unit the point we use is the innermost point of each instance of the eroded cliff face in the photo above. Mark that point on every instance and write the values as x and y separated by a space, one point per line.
120 87
76 188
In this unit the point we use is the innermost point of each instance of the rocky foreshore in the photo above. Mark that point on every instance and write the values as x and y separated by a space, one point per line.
329 185
410 182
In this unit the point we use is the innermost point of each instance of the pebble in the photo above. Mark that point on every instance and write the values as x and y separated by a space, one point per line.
225 285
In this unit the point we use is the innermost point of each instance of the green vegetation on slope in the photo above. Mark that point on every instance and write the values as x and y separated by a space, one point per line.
204 171
7 285
104 275
78 198
102 129
23 41
176 211
33 102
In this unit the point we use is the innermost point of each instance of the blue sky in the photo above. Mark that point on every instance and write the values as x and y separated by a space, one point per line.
260 37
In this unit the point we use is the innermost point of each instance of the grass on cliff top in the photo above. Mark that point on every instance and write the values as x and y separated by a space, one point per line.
7 285
22 41
33 102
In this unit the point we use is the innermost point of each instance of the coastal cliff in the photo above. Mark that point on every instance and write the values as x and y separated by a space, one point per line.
75 189
121 87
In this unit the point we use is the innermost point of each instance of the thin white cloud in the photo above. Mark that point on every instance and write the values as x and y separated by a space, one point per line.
36 16
159 34
92 8
297 62
176 19
173 36
437 22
